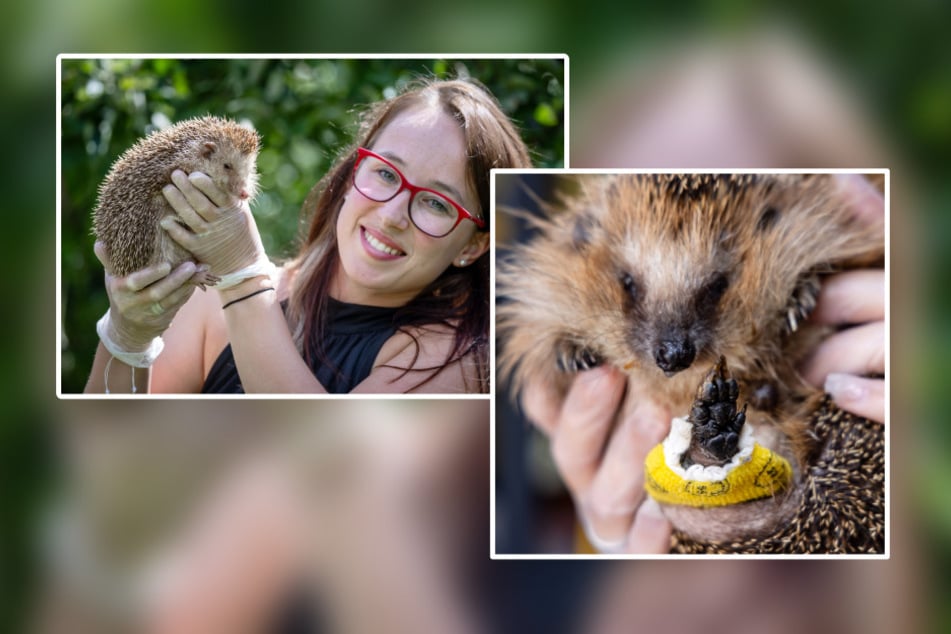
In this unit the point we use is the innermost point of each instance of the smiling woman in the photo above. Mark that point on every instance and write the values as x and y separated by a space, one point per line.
388 293
386 257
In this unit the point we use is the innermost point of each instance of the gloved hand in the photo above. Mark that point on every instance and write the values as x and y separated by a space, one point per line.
216 228
141 307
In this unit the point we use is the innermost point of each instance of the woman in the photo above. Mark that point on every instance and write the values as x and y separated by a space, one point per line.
389 293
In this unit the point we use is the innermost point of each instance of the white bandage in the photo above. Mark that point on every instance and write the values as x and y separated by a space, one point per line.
261 267
678 440
143 359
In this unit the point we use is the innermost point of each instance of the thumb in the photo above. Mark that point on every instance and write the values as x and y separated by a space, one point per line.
102 254
650 533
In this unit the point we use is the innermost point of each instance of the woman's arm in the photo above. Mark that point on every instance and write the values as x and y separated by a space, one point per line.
264 352
192 343
133 331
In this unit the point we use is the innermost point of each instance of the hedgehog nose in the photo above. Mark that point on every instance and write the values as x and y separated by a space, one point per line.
244 194
674 354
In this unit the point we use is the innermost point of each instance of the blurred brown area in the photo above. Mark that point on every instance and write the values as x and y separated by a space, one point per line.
872 85
227 517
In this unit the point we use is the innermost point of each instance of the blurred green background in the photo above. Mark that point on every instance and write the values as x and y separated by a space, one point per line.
306 111
894 59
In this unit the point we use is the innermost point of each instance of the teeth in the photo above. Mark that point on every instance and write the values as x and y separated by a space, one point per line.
379 246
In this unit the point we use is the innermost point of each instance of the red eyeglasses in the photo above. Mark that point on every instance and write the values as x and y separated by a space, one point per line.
432 213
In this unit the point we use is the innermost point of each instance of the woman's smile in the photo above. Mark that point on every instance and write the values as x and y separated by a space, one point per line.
378 246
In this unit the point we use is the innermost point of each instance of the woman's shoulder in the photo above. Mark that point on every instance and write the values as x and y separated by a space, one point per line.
197 337
196 333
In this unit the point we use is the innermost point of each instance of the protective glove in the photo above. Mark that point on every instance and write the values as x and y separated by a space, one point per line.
141 307
216 227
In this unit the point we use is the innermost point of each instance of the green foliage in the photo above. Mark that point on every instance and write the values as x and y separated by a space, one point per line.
305 111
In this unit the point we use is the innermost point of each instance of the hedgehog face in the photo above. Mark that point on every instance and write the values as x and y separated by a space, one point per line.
655 298
660 275
233 170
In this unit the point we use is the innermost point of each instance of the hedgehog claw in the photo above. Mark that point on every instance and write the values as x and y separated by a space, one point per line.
577 359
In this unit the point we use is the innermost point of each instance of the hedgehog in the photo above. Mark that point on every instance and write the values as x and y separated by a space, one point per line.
699 287
131 205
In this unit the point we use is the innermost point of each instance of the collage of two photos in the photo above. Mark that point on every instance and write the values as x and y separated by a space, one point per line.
652 348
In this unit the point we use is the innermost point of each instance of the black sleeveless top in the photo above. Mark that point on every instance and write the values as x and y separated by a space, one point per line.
353 339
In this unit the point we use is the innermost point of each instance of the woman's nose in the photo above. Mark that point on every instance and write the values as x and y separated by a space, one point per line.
395 211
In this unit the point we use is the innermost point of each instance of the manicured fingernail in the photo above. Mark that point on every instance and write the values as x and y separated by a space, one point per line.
845 387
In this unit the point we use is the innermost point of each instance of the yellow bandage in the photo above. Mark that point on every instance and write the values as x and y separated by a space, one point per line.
763 475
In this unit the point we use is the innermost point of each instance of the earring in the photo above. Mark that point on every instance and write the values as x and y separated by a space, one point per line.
462 262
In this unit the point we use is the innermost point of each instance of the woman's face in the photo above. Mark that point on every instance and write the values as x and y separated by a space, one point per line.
384 259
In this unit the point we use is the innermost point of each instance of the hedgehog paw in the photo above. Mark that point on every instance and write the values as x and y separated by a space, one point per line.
203 279
716 422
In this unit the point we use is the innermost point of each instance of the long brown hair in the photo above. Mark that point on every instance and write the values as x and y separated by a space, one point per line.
459 297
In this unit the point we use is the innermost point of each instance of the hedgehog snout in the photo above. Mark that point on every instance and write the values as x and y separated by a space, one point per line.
674 352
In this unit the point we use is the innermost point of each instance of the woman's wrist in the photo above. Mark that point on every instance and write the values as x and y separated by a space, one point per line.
139 354
257 284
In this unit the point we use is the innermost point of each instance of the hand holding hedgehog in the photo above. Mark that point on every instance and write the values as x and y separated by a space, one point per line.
220 229
600 460
141 307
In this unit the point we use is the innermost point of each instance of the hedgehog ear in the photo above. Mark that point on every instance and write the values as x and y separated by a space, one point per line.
208 149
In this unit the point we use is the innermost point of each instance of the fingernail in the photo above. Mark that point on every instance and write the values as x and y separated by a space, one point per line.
650 509
845 387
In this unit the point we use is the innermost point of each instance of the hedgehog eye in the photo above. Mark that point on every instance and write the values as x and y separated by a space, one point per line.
630 284
227 166
711 293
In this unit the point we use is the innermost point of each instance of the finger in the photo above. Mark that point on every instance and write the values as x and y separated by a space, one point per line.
862 200
586 419
650 533
164 287
617 489
143 278
178 233
851 298
194 197
861 396
102 254
177 298
541 405
206 186
186 213
859 350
